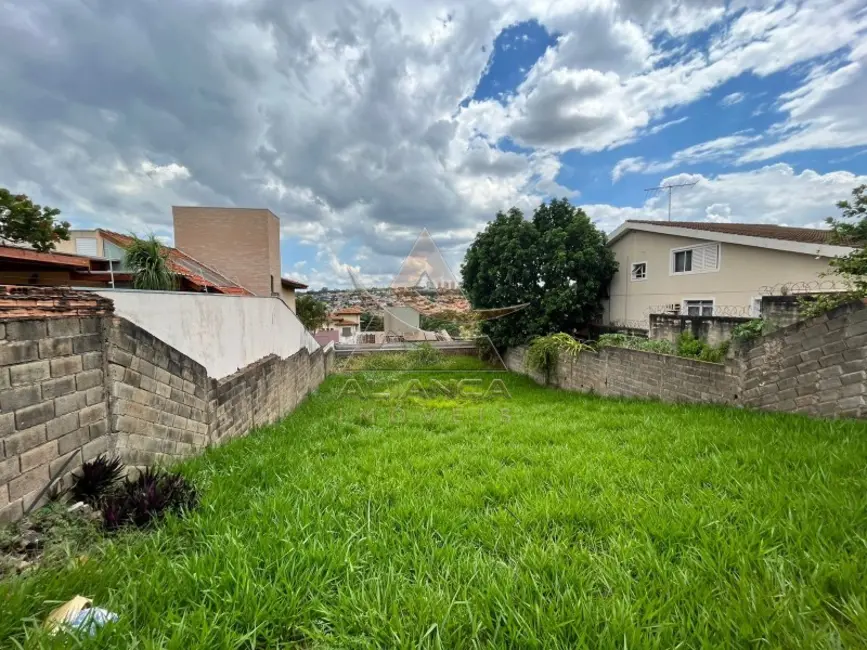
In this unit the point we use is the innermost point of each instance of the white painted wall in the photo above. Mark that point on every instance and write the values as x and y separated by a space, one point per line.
401 320
223 333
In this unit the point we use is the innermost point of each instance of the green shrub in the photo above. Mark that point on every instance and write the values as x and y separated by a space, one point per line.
660 346
688 345
714 354
545 351
614 340
750 331
424 355
812 306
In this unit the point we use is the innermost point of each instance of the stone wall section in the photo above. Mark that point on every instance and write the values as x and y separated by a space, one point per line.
816 367
618 372
53 409
158 397
76 386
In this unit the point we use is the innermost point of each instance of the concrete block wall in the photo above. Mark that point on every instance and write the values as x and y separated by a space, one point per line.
816 367
76 386
53 410
618 372
263 393
713 330
158 397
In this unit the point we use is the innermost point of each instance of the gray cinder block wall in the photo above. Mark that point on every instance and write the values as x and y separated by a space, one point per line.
53 407
816 367
164 407
73 386
710 329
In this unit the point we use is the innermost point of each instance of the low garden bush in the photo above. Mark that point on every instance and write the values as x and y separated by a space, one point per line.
750 330
137 501
659 346
147 498
96 479
545 351
687 346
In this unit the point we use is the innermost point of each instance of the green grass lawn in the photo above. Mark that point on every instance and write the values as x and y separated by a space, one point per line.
545 519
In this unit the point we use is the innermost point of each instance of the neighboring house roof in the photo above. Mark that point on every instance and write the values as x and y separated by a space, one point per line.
810 241
183 264
349 310
64 260
289 283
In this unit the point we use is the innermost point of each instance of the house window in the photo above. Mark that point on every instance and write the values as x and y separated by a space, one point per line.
347 332
698 307
683 262
696 259
639 271
86 246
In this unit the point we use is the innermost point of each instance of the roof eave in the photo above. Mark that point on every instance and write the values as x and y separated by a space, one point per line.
804 248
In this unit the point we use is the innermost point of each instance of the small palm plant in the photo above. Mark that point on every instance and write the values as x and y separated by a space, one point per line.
147 259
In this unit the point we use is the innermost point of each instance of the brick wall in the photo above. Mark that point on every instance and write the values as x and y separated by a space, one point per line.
618 372
233 240
164 407
263 392
158 397
817 367
75 386
52 405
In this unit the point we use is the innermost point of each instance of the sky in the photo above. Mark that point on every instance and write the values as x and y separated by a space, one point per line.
361 122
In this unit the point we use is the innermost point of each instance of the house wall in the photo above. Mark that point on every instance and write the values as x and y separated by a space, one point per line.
68 246
816 367
288 296
237 242
77 381
222 333
742 271
400 320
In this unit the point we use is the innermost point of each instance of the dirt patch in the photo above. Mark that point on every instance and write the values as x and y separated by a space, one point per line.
53 534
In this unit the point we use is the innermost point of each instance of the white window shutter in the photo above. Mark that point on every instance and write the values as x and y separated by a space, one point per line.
705 258
711 257
85 246
698 259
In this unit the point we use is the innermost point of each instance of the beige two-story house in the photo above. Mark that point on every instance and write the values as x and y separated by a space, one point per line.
707 269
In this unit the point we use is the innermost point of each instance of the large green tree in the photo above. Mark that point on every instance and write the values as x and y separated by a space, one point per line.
371 322
437 324
311 312
851 229
23 221
558 262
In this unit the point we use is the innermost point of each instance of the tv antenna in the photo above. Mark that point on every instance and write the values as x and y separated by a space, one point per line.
654 191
